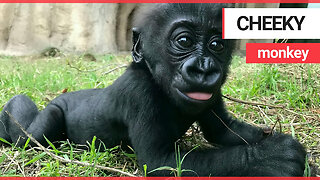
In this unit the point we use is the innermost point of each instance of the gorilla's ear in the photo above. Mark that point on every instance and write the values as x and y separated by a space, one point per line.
136 48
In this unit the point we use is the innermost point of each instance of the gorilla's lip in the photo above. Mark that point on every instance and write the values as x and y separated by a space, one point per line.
195 96
201 96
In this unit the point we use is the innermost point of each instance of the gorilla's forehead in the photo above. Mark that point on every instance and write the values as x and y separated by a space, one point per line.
203 16
195 9
198 14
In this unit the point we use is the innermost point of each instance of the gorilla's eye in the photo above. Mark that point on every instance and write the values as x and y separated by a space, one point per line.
184 42
216 45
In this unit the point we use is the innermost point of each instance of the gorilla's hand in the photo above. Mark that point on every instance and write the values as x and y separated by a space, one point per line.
277 155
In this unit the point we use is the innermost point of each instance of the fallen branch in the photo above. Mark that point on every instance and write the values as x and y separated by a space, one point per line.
250 103
92 70
113 170
122 66
14 162
269 105
229 128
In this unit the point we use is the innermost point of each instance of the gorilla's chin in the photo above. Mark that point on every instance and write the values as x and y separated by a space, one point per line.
193 102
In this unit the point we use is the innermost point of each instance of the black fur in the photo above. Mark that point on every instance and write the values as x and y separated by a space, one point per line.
177 50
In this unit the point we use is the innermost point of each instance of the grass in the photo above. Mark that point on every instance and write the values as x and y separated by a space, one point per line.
293 86
177 171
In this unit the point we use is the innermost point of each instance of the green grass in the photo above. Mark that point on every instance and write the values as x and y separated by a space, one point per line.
295 87
177 171
44 79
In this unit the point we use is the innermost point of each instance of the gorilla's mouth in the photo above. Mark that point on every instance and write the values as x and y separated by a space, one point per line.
199 95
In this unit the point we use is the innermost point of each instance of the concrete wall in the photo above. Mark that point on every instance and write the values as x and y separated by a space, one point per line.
30 28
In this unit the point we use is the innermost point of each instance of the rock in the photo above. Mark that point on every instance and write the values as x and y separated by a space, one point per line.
27 29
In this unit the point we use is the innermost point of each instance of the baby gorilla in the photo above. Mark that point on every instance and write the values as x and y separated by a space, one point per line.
180 62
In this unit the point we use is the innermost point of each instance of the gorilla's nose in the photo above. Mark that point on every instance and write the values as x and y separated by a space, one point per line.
201 71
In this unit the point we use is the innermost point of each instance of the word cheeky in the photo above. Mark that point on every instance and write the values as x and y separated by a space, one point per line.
270 23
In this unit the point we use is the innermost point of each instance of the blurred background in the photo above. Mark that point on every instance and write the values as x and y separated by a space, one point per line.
27 29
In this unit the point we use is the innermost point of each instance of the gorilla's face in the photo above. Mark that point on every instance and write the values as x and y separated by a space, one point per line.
188 58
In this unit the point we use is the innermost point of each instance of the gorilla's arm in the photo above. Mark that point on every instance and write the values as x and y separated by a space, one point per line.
154 145
220 132
154 130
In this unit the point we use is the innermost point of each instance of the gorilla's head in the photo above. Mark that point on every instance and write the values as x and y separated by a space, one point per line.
182 46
